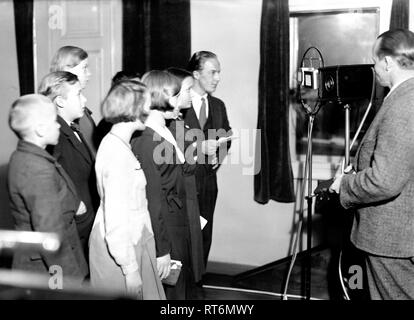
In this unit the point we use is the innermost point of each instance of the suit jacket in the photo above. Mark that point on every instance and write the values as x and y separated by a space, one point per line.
382 190
165 188
78 162
217 120
88 128
44 199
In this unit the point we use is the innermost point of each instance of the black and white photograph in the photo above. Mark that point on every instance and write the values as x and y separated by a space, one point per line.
216 156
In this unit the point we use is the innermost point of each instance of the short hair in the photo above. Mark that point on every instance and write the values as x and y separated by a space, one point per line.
67 57
125 75
399 44
162 86
24 112
56 84
125 102
198 59
179 73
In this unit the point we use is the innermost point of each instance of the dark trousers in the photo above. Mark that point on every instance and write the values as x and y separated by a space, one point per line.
84 225
390 278
207 196
185 288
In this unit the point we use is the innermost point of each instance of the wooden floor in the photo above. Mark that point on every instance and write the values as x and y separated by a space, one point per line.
233 282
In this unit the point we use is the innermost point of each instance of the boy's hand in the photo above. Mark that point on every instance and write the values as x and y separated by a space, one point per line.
163 266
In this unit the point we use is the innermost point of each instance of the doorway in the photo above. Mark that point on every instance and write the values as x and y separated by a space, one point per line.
95 26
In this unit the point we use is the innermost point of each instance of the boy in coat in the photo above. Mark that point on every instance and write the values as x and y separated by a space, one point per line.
72 150
42 196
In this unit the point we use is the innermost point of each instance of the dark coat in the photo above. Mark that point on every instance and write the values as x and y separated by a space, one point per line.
166 204
88 128
43 198
78 162
179 130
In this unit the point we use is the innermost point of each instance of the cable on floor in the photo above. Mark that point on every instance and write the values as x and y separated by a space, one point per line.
257 292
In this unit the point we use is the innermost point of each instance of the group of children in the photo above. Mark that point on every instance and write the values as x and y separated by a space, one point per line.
125 210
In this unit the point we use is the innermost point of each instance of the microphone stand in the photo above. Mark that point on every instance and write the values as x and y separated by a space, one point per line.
347 135
307 178
346 163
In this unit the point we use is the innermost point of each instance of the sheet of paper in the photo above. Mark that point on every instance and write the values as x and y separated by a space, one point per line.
203 222
225 139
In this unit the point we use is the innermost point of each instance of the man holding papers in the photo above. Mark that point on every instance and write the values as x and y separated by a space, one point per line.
208 114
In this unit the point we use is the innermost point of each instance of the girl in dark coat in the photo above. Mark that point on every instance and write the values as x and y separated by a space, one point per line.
162 162
180 132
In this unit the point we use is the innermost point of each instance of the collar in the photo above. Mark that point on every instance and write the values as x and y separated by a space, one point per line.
154 126
88 111
396 85
65 121
65 127
195 95
165 133
26 146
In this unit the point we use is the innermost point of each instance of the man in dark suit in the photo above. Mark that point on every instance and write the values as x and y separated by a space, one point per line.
209 115
42 196
381 188
72 151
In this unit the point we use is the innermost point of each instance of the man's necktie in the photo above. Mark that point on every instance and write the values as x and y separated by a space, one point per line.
203 114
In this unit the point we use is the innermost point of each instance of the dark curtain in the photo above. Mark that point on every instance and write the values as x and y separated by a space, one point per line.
400 14
275 179
23 21
156 34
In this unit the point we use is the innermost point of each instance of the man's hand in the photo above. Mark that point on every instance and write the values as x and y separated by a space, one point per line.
163 266
209 147
81 209
214 162
335 186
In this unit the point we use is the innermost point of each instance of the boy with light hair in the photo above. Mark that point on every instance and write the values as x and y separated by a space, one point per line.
42 196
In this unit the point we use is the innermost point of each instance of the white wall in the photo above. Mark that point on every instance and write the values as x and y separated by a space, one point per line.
246 232
9 91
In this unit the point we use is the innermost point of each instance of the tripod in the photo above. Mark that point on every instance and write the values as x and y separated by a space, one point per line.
307 179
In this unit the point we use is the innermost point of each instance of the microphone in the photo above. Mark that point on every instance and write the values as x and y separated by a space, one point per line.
308 77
